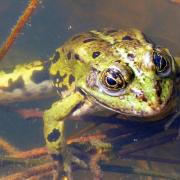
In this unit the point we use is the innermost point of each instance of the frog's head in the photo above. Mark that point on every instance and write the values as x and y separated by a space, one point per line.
134 81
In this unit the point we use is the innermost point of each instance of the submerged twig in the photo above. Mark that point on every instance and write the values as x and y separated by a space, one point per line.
47 168
137 171
7 147
152 158
142 146
83 138
27 162
37 170
18 27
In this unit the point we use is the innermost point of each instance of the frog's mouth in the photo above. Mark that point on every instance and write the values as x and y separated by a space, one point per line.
153 114
166 108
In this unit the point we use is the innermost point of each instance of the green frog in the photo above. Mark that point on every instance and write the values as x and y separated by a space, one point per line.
118 70
114 69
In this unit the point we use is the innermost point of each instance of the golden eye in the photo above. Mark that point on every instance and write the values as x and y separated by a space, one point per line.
113 79
162 62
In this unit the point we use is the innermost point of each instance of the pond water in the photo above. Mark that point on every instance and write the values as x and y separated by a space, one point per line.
52 24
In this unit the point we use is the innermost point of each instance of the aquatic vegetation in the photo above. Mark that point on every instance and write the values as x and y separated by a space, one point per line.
38 163
139 86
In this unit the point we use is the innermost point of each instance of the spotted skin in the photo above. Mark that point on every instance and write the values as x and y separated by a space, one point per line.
62 78
110 69
126 49
107 69
12 85
25 82
56 57
54 135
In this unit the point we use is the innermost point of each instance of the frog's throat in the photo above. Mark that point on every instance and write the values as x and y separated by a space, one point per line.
168 107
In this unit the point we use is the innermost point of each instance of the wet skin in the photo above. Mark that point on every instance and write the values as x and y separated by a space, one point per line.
117 70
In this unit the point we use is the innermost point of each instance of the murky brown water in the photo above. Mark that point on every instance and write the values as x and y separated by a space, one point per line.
57 20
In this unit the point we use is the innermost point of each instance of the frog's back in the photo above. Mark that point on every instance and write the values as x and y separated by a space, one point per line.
88 46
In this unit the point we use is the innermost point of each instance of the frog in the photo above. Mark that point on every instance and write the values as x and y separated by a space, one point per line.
118 70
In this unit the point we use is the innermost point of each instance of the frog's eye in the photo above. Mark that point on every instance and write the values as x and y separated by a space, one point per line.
162 62
114 80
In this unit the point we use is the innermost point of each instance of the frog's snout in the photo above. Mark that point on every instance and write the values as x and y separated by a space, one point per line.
139 94
147 94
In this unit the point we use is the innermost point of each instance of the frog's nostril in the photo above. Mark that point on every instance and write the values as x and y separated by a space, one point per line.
139 94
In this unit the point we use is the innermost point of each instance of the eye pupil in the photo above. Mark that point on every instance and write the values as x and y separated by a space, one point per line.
113 79
163 63
110 81
157 59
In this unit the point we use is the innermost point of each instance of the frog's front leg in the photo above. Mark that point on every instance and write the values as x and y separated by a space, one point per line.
54 127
